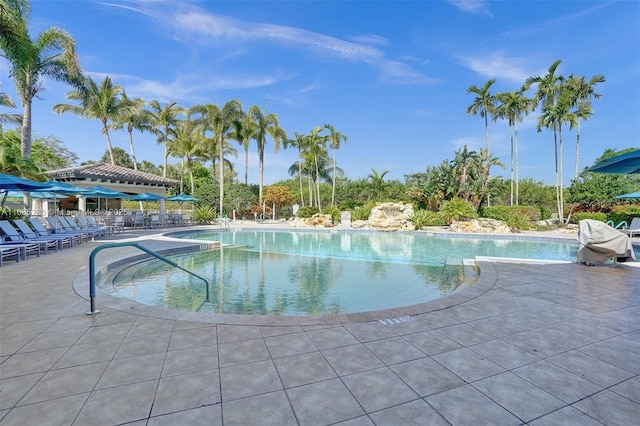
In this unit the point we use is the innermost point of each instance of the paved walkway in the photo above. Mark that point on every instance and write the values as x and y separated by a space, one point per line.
541 344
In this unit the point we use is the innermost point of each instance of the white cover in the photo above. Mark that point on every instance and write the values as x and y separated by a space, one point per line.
599 242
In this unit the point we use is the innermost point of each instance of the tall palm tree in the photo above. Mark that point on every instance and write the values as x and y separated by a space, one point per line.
317 149
164 119
6 101
583 91
483 104
243 133
220 122
135 117
300 142
265 125
186 143
548 86
102 102
52 54
513 106
334 141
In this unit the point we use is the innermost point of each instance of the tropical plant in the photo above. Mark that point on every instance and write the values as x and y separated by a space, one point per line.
243 133
334 139
102 102
265 125
377 182
300 142
164 119
120 157
307 211
186 143
423 218
483 105
457 209
204 214
6 101
278 196
134 117
52 54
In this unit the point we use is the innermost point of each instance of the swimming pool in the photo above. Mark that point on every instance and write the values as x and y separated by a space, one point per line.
317 273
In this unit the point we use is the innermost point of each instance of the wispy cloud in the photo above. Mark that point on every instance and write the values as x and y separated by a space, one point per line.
216 30
472 6
498 65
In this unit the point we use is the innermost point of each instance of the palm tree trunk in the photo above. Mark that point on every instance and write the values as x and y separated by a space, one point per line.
517 167
221 174
555 142
260 170
300 178
317 185
246 166
560 181
333 190
133 153
25 141
575 175
511 165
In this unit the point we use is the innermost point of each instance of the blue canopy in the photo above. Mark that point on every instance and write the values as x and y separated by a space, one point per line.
182 198
624 164
15 183
147 196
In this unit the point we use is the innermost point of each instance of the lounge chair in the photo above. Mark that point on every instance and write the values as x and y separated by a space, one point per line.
95 225
61 226
23 248
86 226
40 230
9 252
31 234
12 235
634 227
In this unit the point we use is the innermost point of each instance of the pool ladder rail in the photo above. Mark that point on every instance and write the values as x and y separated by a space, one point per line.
92 270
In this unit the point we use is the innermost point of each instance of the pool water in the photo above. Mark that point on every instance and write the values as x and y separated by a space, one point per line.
316 273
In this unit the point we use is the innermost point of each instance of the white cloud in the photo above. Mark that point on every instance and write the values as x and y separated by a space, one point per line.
497 65
472 6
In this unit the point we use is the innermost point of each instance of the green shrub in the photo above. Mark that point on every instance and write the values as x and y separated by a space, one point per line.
532 213
494 212
363 212
204 214
624 213
423 218
335 213
306 211
577 217
518 219
457 209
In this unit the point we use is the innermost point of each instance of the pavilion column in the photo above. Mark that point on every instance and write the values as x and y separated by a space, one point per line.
82 204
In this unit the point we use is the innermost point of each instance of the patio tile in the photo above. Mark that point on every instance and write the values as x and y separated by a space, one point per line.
13 344
60 412
394 350
184 325
246 380
120 404
504 354
468 365
269 331
497 326
331 337
82 322
65 382
437 319
30 362
202 416
52 340
124 371
378 389
13 389
150 326
190 360
408 327
289 344
143 345
109 317
536 342
191 337
323 403
368 331
26 327
303 369
96 334
187 391
242 352
557 381
627 341
268 409
590 368
518 396
465 334
89 353
431 342
357 421
426 377
465 405
352 359
417 413
234 333
629 389
610 408
612 354
567 416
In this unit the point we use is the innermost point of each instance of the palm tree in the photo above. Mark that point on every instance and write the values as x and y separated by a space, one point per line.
265 124
220 122
334 141
163 119
583 91
186 143
52 54
99 102
317 149
377 182
483 161
135 117
548 86
513 106
6 101
300 142
243 133
483 104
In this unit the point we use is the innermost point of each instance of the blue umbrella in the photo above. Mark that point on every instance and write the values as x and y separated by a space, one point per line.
624 164
147 196
181 198
633 195
101 191
15 183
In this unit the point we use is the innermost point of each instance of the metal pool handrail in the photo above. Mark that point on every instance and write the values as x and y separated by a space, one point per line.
92 270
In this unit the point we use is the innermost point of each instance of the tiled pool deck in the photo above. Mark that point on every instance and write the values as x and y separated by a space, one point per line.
539 344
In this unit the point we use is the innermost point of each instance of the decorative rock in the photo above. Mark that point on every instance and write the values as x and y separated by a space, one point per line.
391 217
482 225
316 221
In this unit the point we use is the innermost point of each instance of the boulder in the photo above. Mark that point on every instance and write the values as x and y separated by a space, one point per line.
391 217
482 225
316 221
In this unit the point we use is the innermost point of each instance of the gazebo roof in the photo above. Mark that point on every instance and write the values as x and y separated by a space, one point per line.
109 173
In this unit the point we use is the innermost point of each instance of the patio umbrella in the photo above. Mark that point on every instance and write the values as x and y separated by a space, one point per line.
181 198
147 196
15 183
632 195
102 192
624 164
56 188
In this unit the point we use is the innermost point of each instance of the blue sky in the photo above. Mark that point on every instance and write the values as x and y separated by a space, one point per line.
391 75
